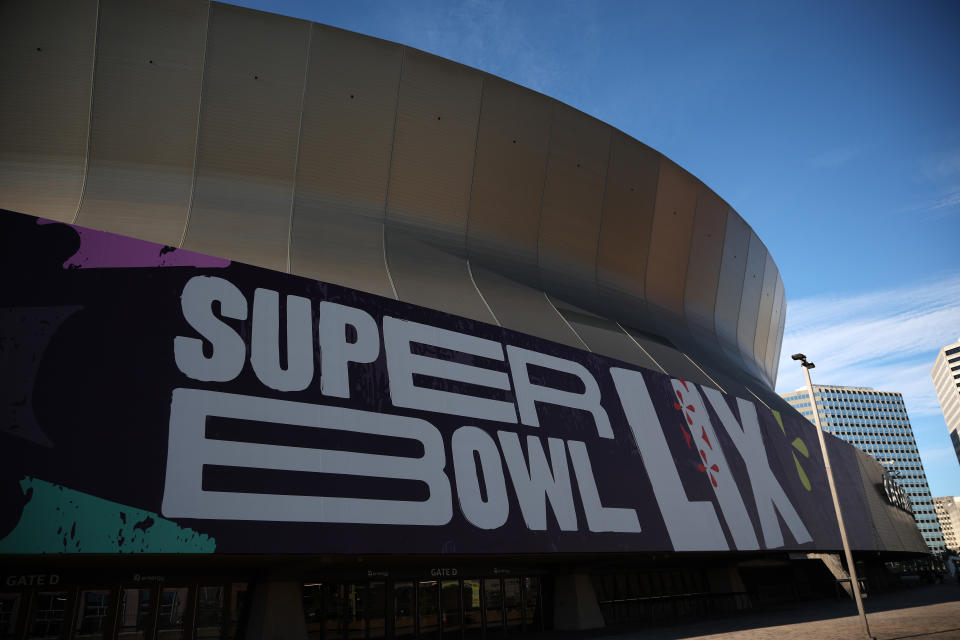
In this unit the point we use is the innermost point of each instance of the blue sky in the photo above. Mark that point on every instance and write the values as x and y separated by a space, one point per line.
833 128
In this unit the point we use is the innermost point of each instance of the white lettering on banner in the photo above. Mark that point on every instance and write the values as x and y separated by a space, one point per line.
189 450
529 394
483 514
767 492
477 457
692 526
599 517
229 351
336 352
713 463
265 341
402 365
534 484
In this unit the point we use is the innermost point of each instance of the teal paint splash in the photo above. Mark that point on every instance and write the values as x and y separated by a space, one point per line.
61 520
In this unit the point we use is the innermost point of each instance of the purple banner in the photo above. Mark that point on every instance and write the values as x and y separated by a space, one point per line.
160 401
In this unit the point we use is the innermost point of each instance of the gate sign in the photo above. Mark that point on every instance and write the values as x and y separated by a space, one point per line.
156 400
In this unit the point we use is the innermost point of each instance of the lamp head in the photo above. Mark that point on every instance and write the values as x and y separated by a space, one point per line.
798 356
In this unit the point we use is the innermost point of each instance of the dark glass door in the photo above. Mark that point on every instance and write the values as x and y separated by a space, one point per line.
512 604
404 610
451 622
472 609
47 615
209 614
172 612
428 609
532 609
134 619
9 614
493 607
91 614
375 607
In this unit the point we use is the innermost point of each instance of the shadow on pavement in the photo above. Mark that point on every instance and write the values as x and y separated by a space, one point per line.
793 613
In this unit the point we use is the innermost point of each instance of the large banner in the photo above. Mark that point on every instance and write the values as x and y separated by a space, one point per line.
159 401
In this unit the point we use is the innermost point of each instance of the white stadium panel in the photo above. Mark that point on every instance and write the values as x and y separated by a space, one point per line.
247 144
343 169
143 132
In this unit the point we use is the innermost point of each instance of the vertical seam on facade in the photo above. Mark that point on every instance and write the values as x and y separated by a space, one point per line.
707 375
639 346
716 302
482 297
686 270
543 191
473 177
761 363
653 219
473 172
566 322
743 291
603 207
386 196
296 160
93 81
196 137
748 359
716 291
769 353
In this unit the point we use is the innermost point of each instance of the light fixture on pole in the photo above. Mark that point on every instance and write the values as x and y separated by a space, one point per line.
854 581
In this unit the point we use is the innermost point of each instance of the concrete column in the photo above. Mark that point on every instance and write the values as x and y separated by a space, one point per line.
276 612
575 605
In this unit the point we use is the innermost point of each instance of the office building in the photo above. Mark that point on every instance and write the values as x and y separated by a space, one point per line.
876 422
946 380
948 512
308 333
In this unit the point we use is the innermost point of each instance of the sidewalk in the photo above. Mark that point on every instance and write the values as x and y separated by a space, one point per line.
919 613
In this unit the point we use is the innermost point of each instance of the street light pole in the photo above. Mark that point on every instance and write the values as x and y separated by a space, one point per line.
854 581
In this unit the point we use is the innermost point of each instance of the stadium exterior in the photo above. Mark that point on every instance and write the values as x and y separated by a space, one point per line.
386 346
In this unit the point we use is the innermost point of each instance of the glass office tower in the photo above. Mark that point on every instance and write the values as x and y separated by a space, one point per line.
877 423
946 379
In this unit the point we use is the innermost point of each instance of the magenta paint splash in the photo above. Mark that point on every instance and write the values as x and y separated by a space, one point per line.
105 250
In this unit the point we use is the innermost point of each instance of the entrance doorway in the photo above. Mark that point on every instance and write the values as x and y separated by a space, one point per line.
155 611
434 609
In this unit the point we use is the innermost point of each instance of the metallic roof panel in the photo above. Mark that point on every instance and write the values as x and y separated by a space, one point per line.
346 139
765 315
47 51
726 317
522 308
430 276
247 146
706 258
149 72
604 336
670 238
628 205
769 361
750 301
434 147
573 198
508 177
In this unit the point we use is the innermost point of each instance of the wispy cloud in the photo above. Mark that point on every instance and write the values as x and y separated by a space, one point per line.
833 158
943 164
885 339
945 203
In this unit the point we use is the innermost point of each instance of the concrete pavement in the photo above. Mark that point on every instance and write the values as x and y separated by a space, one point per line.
929 612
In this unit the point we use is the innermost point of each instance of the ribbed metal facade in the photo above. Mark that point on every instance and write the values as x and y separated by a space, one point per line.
303 148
